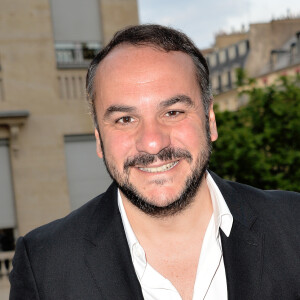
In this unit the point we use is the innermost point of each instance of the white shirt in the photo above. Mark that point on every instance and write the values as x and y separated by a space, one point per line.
210 283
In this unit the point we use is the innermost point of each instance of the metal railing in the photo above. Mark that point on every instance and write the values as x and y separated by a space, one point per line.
286 60
78 57
6 263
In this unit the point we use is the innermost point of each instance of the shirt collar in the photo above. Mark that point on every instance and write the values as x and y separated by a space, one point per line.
137 253
221 213
131 238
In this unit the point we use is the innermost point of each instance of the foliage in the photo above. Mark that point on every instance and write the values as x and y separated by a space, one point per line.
242 78
260 143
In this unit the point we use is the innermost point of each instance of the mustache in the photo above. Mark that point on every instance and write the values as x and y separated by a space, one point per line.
145 159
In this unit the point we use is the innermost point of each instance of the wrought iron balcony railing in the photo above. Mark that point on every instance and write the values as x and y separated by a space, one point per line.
6 263
78 56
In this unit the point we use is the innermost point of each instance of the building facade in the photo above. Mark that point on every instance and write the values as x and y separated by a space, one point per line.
48 163
265 52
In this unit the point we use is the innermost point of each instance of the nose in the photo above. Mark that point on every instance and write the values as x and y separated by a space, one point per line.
152 137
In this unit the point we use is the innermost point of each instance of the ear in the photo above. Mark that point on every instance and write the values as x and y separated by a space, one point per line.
98 144
212 124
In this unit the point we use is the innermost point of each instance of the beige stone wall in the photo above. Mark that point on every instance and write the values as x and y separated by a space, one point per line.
225 40
30 81
4 288
264 37
116 14
55 99
272 77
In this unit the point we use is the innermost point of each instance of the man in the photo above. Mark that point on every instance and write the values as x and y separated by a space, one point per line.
166 228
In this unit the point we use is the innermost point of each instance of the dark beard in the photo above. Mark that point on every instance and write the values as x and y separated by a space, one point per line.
179 203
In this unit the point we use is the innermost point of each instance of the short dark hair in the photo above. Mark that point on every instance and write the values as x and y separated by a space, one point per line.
160 37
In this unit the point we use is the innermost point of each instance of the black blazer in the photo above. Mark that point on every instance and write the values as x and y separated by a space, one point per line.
86 256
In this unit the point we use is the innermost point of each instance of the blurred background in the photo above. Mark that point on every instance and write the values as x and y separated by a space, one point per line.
48 162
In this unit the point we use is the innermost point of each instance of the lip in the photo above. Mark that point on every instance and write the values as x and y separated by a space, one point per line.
159 168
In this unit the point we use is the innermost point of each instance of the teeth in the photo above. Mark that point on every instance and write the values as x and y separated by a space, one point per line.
161 168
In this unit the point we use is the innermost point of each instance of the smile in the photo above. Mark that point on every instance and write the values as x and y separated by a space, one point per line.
161 168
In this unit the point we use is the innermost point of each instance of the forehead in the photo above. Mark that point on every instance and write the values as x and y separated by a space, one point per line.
126 53
143 70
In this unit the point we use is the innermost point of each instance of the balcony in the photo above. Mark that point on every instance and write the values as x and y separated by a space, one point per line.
5 267
5 263
75 55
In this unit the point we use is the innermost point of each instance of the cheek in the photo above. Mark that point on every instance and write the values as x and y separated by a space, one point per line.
189 134
117 146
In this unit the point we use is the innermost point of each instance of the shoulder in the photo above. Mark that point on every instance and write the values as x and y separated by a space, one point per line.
255 194
61 231
273 204
70 228
52 255
266 198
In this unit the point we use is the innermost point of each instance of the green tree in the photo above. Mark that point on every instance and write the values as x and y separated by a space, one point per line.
260 143
241 76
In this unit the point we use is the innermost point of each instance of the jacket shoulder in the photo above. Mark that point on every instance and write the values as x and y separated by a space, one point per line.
265 203
70 227
266 197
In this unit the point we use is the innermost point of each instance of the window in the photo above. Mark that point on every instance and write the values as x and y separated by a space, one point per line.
7 242
222 56
77 31
219 83
212 60
232 52
7 211
233 76
76 20
242 48
229 79
87 175
215 82
1 90
225 79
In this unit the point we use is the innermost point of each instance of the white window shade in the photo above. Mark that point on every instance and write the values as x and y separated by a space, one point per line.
242 48
232 52
7 211
212 59
224 78
76 20
222 56
87 175
215 82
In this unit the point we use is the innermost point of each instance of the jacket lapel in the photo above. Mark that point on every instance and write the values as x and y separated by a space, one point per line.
242 252
107 253
108 259
243 249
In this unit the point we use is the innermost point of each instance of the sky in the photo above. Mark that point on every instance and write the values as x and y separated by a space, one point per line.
202 20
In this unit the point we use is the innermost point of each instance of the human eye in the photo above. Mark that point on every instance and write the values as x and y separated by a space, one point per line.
174 113
125 120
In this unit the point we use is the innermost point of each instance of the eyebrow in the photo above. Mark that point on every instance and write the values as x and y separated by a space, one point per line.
164 104
177 99
118 108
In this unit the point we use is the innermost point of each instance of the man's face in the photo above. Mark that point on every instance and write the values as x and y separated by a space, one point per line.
152 126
